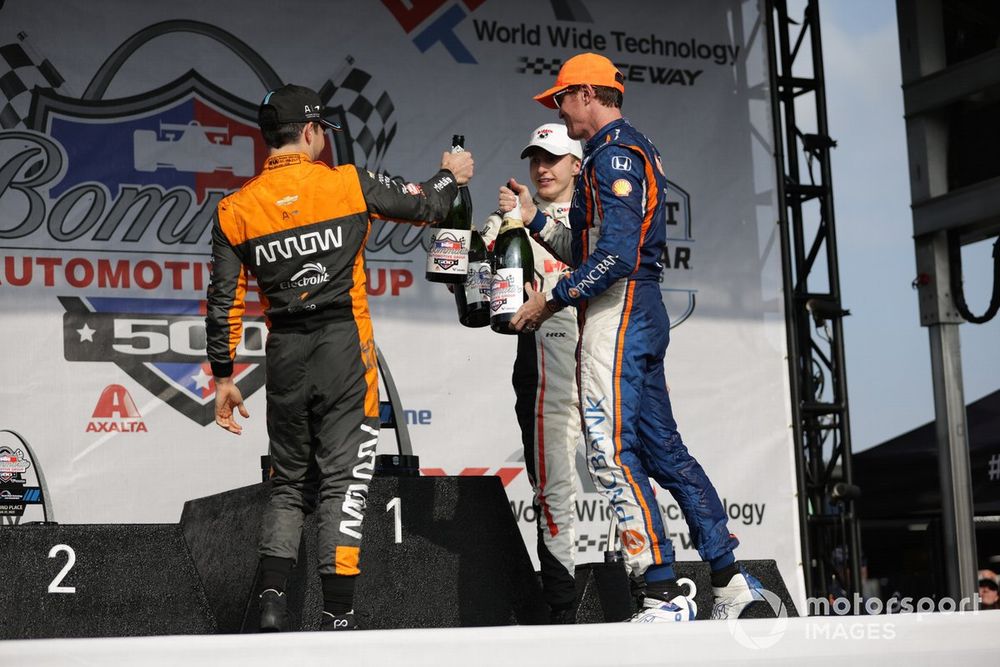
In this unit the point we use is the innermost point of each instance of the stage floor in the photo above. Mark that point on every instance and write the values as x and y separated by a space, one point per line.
910 639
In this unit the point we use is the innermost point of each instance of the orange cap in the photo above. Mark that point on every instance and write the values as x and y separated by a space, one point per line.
584 68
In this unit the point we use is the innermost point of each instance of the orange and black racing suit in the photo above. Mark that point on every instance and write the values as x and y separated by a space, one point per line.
299 228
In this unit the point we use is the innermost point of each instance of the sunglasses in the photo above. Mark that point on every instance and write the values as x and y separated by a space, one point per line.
557 98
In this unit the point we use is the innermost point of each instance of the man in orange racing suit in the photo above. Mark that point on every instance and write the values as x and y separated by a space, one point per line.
299 228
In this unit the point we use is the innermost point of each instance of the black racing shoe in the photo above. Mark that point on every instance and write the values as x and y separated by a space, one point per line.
273 611
338 621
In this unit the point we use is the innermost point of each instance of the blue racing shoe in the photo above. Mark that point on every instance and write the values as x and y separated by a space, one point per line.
655 610
731 599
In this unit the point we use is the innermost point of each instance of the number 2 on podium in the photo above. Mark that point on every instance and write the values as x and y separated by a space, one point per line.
55 586
396 506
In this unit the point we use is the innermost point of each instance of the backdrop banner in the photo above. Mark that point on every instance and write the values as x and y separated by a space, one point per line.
124 124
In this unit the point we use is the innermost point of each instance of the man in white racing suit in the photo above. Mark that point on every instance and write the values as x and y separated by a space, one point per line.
544 377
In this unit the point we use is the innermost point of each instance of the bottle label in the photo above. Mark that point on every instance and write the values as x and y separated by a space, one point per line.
478 283
507 291
449 253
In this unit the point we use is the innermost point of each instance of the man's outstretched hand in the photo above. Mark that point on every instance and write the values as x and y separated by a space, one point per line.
227 397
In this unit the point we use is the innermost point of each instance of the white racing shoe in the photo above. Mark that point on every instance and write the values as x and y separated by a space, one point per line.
681 608
733 598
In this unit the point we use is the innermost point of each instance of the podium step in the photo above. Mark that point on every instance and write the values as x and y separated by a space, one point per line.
766 571
437 552
99 581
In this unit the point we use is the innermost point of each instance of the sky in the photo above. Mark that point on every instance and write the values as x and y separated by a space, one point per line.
887 352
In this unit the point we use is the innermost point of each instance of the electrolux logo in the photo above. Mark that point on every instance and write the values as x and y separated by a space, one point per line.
310 275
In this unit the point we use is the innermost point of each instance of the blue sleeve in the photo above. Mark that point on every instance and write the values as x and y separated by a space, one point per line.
537 224
619 177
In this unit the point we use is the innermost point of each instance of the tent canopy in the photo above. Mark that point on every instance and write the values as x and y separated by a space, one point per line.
899 478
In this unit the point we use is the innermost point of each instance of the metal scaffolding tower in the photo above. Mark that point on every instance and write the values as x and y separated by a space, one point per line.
830 536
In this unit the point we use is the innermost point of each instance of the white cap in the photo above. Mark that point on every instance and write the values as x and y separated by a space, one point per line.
552 137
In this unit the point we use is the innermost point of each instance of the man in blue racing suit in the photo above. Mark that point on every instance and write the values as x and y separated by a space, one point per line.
618 231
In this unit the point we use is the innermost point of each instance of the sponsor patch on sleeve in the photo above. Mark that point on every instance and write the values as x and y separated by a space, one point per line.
621 163
621 188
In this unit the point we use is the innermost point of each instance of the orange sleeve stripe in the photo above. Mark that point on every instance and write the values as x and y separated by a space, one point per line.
366 336
652 198
647 518
236 311
597 200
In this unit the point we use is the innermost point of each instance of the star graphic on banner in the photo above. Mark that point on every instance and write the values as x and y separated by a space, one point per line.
202 379
86 333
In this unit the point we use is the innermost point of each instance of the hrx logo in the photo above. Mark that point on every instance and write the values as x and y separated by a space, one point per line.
115 412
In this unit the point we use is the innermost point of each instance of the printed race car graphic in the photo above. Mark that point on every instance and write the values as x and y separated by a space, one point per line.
192 148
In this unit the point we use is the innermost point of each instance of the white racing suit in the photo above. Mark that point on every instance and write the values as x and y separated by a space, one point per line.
548 413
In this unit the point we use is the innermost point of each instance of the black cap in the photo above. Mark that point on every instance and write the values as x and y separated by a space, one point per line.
291 104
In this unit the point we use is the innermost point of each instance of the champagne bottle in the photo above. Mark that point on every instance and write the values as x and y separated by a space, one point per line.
448 257
473 299
513 265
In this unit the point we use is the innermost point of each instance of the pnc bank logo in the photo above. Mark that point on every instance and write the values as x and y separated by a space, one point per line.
116 412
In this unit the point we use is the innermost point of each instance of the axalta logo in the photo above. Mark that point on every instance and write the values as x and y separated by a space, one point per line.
416 15
116 413
311 274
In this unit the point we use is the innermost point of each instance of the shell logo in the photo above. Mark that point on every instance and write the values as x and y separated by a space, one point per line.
621 188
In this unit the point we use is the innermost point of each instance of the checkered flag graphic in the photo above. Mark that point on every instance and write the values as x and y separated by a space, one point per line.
367 109
585 543
19 75
548 66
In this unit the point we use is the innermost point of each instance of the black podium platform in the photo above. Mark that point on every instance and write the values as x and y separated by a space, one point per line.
436 552
111 580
